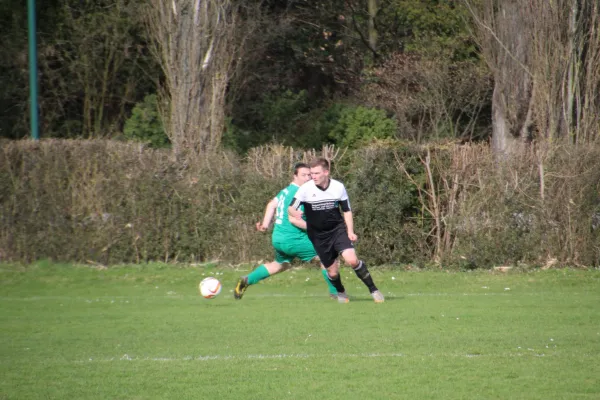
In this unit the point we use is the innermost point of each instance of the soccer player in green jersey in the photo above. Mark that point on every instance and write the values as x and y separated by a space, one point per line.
289 237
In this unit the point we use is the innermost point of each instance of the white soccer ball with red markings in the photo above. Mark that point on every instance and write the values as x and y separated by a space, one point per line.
210 287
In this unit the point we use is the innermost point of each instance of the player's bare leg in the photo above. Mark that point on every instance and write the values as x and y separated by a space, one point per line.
274 267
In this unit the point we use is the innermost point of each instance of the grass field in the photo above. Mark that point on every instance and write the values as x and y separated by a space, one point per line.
143 332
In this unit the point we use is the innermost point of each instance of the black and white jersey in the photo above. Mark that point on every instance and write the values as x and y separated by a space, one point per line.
322 206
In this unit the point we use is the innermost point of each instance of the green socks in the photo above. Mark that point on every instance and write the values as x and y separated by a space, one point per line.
332 289
261 273
258 275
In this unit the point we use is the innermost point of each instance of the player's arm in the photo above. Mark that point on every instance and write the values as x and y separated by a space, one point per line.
268 217
295 215
297 222
348 218
350 225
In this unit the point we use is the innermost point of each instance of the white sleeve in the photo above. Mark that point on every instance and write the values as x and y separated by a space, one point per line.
344 200
344 195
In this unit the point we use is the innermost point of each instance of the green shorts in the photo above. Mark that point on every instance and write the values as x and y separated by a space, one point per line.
285 252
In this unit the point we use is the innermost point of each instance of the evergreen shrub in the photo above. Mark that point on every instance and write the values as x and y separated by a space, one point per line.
145 124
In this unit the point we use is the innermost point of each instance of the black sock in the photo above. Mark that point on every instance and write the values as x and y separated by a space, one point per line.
337 283
363 273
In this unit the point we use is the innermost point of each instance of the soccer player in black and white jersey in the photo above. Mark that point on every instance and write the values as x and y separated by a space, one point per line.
330 227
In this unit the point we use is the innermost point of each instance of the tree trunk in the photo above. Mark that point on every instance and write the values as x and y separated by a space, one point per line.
372 31
545 60
508 51
197 44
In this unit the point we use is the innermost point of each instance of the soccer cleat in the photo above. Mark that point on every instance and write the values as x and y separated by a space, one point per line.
240 288
333 296
342 297
378 296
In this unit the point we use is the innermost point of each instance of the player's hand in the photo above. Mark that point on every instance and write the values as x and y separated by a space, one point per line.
352 236
260 227
296 213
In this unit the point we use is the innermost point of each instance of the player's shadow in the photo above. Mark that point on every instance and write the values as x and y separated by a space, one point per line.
220 304
369 299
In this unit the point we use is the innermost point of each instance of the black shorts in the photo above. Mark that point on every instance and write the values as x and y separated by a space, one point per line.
330 244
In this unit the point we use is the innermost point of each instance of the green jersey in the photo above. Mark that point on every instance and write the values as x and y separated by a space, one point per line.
284 230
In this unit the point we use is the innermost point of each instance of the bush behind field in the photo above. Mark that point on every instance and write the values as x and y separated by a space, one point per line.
114 202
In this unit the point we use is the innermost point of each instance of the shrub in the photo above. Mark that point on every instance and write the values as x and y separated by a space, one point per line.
289 118
385 203
359 125
273 117
145 124
114 202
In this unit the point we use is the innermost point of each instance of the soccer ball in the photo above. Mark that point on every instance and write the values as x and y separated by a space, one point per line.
210 287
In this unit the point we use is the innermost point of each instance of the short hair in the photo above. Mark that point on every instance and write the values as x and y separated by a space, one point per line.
300 165
320 162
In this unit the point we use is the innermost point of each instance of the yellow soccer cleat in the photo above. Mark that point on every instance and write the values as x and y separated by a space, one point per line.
240 288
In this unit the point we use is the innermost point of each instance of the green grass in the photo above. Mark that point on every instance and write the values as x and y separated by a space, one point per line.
143 332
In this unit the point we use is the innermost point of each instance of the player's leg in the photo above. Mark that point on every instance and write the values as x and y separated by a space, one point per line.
361 270
333 293
263 271
334 245
334 276
305 251
259 273
344 246
328 256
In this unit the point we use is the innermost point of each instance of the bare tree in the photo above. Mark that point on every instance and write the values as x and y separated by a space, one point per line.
431 97
545 60
199 45
565 62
